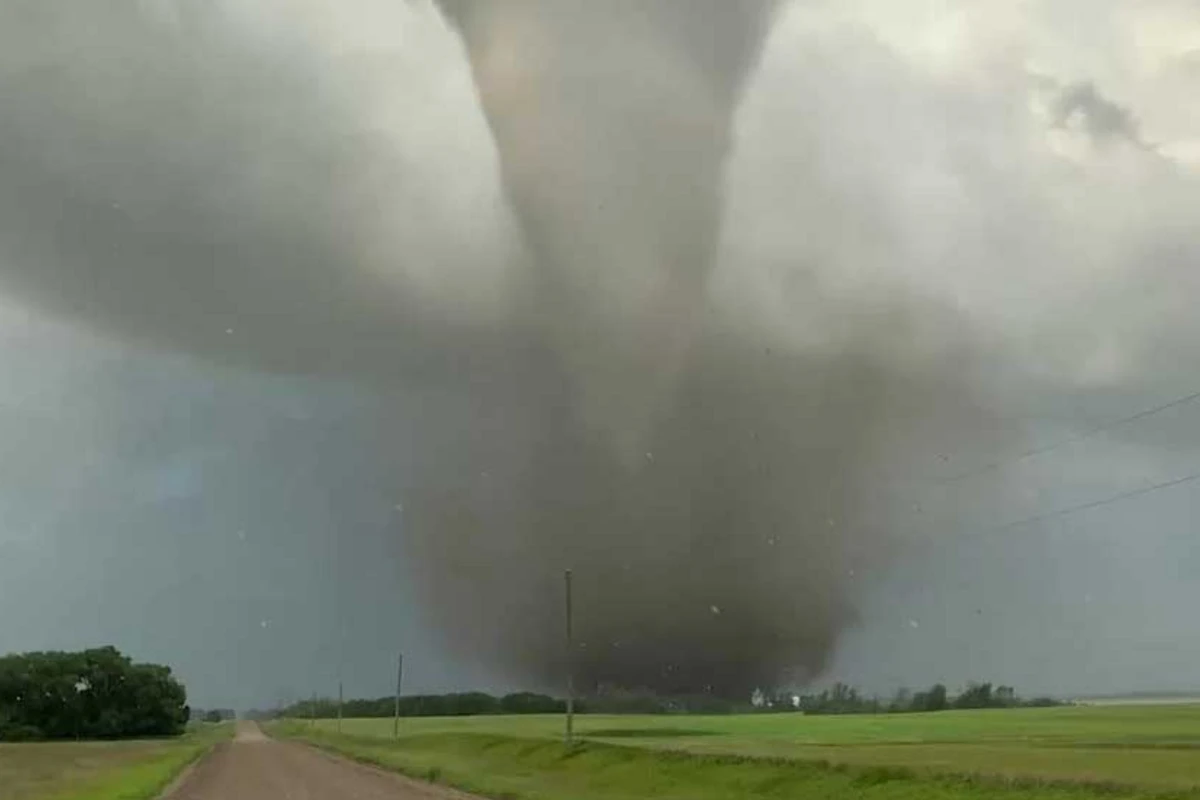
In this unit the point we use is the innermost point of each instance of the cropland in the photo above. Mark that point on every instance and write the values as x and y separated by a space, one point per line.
1078 751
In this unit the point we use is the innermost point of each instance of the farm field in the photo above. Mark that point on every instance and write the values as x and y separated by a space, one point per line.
1073 751
124 770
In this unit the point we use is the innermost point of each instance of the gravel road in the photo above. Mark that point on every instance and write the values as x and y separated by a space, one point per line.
254 767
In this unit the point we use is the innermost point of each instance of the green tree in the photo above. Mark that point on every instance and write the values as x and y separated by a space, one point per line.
935 700
976 695
96 693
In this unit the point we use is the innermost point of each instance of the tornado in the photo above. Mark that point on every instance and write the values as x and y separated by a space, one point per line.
215 180
698 483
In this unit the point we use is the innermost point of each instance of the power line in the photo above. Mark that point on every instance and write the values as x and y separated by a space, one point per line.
1092 504
1127 495
1074 439
1082 436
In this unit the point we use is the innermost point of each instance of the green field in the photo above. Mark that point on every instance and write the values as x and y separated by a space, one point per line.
1129 751
132 770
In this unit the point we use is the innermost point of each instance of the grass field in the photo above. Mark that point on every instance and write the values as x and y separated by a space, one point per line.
135 770
1130 751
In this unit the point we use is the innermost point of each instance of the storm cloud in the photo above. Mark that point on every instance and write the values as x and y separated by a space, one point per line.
678 289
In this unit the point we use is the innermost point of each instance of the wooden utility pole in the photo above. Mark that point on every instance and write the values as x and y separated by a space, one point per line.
399 680
570 737
339 722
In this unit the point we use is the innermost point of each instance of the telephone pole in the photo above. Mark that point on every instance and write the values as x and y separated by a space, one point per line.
399 679
570 736
339 718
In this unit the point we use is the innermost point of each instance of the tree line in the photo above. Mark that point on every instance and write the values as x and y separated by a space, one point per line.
839 699
91 694
844 699
213 715
459 704
455 704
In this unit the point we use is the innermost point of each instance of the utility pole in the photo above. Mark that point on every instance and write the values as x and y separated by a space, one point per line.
570 664
399 679
312 711
339 721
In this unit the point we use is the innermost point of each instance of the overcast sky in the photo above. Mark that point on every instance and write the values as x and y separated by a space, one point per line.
1033 166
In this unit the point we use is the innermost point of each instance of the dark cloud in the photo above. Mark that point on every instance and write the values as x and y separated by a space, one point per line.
533 278
1103 119
174 179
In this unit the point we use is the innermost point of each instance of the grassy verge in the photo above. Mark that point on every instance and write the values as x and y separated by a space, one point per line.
541 769
135 770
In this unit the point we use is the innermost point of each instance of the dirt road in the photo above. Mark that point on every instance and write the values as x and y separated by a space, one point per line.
253 767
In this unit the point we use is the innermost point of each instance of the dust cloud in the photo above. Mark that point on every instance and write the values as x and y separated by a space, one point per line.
230 180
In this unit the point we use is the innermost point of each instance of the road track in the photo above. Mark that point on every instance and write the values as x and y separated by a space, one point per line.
255 767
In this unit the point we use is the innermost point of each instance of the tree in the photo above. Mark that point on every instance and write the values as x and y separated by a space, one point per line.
935 700
976 695
94 694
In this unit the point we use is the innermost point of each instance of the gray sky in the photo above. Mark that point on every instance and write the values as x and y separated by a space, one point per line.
222 486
